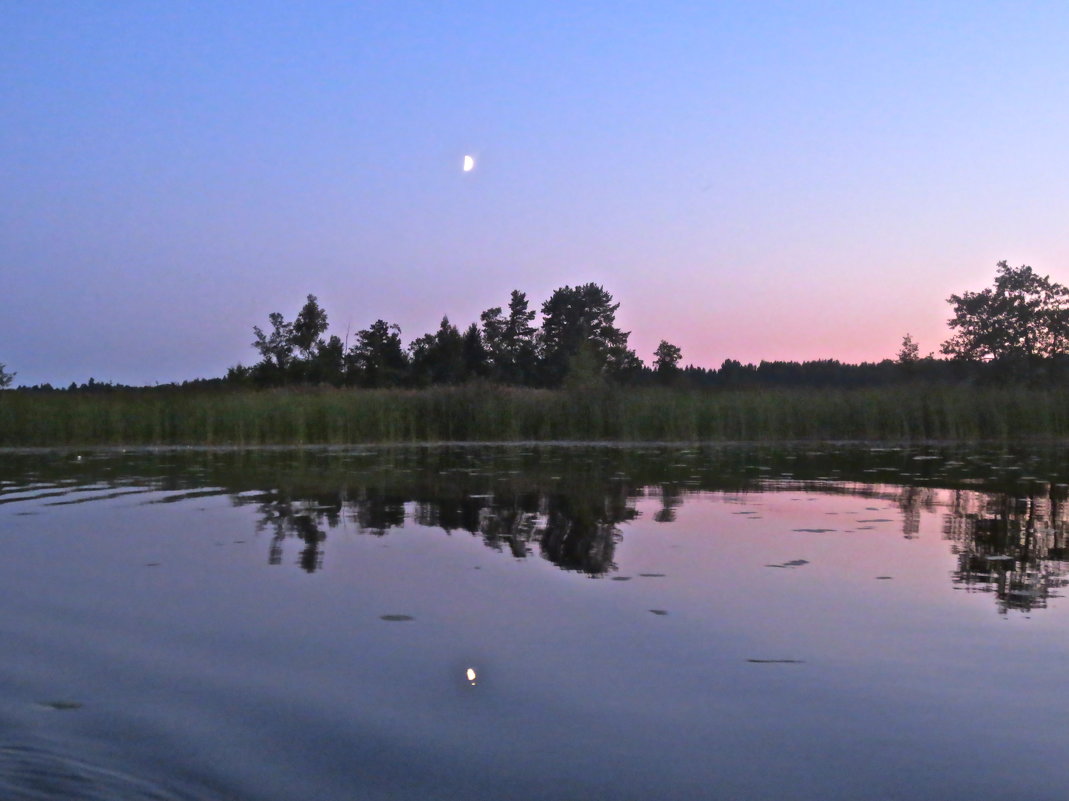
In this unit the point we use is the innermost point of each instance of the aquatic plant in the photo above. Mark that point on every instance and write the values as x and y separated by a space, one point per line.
485 412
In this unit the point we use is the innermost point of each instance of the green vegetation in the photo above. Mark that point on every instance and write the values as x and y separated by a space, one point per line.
574 378
1024 316
578 330
485 412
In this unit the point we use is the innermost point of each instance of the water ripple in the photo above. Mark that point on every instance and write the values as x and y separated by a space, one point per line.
33 774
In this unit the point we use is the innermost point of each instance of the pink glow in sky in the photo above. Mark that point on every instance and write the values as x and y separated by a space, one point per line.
751 181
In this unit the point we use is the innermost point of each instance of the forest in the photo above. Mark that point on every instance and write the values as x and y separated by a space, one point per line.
1002 375
1014 332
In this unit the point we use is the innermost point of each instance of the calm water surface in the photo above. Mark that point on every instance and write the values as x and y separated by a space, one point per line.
534 623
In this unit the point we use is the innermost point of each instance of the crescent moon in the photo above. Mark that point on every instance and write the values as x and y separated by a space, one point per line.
469 164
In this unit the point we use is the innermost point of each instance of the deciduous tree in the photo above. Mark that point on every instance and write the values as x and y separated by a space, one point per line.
310 325
1024 315
666 360
276 347
910 352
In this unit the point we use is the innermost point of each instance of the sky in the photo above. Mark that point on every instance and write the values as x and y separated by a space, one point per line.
750 180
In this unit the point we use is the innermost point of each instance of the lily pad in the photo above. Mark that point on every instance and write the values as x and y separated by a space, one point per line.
661 612
396 618
61 706
776 661
652 575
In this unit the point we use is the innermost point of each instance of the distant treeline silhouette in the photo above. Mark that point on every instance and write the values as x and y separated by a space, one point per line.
1016 332
578 341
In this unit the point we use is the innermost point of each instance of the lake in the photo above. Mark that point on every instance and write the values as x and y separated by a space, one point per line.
534 622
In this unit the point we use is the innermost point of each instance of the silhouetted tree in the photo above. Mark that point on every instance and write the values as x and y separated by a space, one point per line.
910 351
276 348
310 325
510 341
666 361
5 377
239 374
1023 316
291 350
377 358
584 314
327 365
493 338
520 343
439 358
734 373
476 358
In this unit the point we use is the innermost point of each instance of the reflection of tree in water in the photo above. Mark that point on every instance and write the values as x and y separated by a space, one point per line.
1012 547
301 518
569 504
1015 548
513 524
671 499
375 513
575 530
580 534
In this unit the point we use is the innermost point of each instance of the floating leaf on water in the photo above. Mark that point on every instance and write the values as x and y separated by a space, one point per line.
884 578
62 706
152 564
776 661
652 575
396 618
813 530
877 520
621 578
661 612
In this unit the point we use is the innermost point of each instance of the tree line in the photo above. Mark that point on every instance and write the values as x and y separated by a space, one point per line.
577 340
1015 331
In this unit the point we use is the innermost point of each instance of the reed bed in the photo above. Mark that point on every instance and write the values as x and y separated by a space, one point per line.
489 413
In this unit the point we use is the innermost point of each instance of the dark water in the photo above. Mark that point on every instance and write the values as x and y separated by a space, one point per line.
534 623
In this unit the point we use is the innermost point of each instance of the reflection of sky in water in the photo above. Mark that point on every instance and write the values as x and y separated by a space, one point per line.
802 653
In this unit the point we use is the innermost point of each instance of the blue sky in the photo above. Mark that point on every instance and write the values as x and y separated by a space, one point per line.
750 180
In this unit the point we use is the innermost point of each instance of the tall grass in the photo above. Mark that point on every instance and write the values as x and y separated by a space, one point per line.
490 413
